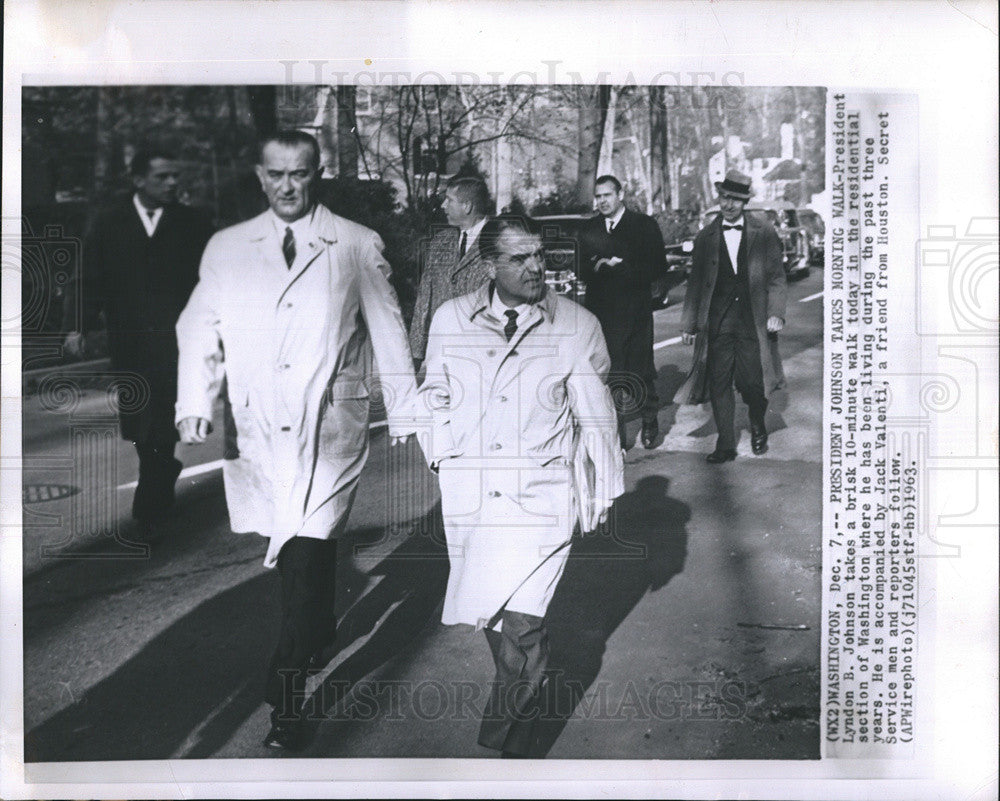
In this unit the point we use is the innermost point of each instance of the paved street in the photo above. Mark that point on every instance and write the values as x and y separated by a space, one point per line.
690 629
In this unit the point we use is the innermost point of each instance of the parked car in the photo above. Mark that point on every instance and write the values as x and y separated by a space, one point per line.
814 225
560 236
794 238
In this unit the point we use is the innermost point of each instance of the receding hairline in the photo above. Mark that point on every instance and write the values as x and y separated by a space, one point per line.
311 146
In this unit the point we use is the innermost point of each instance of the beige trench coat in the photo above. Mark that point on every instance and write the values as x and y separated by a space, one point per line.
298 346
509 421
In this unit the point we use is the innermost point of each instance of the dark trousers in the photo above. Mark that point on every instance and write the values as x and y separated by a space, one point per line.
308 569
734 355
158 471
521 654
629 336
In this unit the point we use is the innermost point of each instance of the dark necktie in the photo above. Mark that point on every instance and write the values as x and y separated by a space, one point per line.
735 227
463 244
511 328
611 225
288 247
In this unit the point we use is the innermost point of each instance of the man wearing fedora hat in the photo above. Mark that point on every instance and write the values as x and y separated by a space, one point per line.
735 298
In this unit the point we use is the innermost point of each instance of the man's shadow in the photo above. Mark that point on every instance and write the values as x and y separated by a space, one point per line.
606 576
192 687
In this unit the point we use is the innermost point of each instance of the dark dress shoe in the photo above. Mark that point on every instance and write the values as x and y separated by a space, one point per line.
758 440
718 457
286 736
650 431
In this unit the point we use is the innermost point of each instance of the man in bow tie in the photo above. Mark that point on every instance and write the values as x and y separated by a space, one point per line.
735 298
292 306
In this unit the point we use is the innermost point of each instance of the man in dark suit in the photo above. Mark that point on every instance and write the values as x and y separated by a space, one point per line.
451 265
139 265
621 256
735 298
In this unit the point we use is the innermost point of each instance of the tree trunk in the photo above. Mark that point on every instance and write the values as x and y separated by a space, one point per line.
347 136
660 194
103 157
592 110
606 160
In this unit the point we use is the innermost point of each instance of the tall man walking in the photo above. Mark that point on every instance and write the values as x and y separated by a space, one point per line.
735 297
622 255
297 299
451 265
525 444
139 265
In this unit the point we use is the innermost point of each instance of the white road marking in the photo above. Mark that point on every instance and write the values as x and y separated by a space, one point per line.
208 467
666 342
810 297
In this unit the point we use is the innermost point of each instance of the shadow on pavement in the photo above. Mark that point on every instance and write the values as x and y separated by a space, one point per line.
606 576
197 682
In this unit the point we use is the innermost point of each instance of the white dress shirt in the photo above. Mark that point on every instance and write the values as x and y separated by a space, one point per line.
612 222
150 218
300 228
732 237
471 233
499 308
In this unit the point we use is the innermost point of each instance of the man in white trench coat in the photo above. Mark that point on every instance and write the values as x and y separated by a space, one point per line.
524 439
297 299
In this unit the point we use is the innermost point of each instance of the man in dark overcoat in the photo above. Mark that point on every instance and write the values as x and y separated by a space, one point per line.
139 264
621 256
735 298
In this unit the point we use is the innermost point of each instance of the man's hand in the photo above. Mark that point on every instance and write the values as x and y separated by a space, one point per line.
193 430
602 518
75 344
687 337
775 324
611 261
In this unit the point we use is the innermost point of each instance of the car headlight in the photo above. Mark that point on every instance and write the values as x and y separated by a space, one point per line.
687 246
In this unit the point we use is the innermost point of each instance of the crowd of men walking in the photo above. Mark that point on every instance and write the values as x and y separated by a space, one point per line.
506 382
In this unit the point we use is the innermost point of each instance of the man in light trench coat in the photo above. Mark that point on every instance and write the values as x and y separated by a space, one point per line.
297 299
525 441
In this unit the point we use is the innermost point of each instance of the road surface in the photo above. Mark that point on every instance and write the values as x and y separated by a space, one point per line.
690 629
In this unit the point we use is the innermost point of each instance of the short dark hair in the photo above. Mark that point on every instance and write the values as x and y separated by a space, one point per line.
291 138
608 179
473 190
494 228
144 156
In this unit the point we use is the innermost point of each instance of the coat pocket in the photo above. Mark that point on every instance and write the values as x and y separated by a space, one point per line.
344 429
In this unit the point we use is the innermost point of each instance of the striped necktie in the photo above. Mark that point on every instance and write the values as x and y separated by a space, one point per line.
288 247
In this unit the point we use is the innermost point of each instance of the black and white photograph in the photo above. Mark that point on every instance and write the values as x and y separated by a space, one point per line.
228 504
394 388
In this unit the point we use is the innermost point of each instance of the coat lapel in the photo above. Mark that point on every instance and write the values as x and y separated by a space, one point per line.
751 230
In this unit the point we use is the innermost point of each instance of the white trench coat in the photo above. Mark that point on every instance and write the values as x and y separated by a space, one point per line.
508 423
296 346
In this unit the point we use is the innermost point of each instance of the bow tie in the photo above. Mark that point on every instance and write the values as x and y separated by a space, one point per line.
733 227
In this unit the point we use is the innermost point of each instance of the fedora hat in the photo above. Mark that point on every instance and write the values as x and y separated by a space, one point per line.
736 185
